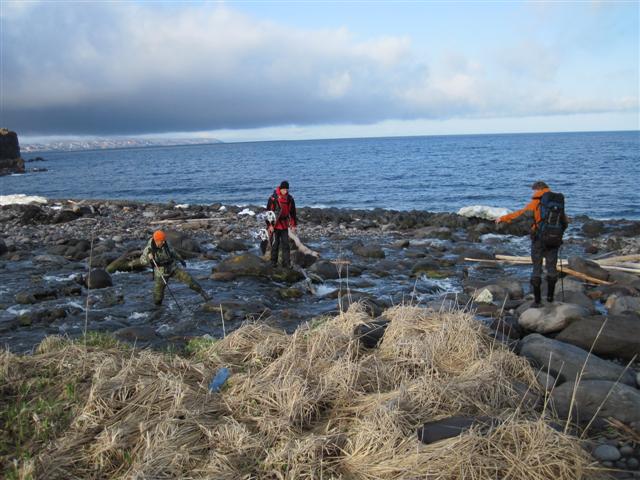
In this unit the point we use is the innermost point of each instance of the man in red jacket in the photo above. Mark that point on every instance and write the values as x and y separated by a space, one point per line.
283 205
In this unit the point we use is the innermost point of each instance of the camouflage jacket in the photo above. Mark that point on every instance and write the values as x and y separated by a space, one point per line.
165 257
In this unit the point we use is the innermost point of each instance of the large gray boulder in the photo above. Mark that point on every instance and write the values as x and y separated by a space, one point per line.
98 278
620 336
231 245
551 318
588 267
565 361
606 398
246 264
181 243
622 303
10 161
328 270
369 251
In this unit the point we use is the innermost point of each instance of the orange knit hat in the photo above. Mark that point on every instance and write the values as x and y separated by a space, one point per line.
159 236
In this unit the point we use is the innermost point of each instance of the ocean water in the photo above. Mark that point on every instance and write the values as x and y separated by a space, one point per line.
598 172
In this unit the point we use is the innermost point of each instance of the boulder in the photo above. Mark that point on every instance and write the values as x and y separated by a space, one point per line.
127 262
620 336
231 245
303 260
327 270
604 397
617 304
98 278
64 216
588 267
431 268
551 318
290 293
566 361
185 246
247 264
10 161
592 228
287 275
369 251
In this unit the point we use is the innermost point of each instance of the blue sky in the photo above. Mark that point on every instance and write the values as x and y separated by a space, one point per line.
290 70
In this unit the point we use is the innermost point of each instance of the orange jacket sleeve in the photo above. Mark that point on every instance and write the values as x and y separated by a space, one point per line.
531 206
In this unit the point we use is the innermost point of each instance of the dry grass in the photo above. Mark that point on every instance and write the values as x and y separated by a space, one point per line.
311 405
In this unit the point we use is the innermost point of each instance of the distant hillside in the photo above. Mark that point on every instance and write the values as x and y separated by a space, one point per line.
107 143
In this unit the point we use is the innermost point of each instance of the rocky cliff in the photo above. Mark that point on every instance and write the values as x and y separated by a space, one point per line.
10 161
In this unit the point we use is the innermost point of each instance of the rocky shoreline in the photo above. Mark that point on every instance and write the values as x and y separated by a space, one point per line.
379 258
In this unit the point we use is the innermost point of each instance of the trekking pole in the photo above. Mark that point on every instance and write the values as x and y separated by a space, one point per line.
561 274
166 284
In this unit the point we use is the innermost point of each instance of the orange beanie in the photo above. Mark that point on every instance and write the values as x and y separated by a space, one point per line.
159 236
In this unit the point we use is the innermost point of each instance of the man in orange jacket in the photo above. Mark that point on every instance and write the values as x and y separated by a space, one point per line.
539 250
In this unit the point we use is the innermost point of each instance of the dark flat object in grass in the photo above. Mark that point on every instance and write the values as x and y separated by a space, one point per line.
432 432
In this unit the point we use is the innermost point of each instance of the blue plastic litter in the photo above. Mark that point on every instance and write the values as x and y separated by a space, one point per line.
218 380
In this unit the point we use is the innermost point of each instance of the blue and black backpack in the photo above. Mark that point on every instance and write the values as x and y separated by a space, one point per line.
552 225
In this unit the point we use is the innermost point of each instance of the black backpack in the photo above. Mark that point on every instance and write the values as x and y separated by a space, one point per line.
552 224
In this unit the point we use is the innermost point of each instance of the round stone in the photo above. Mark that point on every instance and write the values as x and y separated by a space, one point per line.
626 450
606 453
633 463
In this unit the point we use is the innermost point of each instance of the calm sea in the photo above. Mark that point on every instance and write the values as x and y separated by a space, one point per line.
597 172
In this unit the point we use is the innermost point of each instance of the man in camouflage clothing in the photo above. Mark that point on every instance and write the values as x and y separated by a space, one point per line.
165 257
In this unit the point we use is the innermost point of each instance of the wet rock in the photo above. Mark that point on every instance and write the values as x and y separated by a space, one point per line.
287 275
432 269
231 245
547 381
400 244
619 304
302 259
44 316
507 326
3 247
566 361
127 262
624 278
620 336
246 264
328 270
441 233
290 293
551 318
368 251
588 267
622 401
10 160
98 278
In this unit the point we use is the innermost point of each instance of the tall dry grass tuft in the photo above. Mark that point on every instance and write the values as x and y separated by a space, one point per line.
313 405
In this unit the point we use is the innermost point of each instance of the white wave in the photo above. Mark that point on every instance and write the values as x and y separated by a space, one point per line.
138 315
323 290
247 211
182 205
21 199
15 310
482 211
222 209
54 278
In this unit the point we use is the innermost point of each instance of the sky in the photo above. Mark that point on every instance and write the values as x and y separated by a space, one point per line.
263 70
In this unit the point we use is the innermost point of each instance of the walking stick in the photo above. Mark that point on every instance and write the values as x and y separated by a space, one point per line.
561 274
166 284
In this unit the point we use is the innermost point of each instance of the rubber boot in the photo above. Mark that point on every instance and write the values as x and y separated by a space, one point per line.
551 288
537 294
